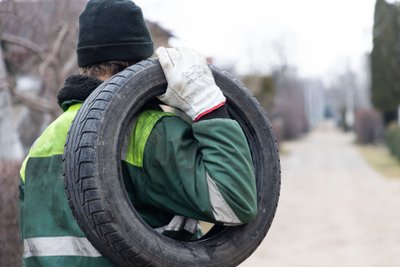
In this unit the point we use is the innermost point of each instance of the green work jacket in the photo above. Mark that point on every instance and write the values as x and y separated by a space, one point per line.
175 173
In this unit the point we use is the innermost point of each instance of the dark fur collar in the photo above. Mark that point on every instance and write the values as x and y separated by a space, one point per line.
76 89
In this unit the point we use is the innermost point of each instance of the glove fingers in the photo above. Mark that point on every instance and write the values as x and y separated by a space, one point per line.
190 55
175 55
165 59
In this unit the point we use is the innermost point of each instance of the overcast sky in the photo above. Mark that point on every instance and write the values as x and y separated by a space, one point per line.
319 37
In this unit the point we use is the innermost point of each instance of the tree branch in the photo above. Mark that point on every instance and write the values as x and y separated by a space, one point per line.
11 38
35 103
56 48
68 66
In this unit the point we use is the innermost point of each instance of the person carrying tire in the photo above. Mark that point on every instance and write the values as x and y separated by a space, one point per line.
176 173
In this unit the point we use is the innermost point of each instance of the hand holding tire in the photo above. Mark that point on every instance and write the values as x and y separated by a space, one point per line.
191 86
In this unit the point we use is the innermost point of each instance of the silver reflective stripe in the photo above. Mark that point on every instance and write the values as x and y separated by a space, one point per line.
221 210
161 229
179 223
59 246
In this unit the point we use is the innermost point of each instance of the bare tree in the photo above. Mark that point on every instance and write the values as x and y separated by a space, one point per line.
10 146
289 105
38 40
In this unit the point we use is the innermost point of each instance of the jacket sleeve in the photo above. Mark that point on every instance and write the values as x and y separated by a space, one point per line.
202 171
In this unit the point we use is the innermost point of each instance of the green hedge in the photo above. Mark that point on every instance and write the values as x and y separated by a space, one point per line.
392 139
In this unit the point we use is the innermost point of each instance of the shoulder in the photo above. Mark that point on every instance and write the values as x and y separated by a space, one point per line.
52 140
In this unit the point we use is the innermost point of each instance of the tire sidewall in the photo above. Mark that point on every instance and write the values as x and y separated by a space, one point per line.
126 93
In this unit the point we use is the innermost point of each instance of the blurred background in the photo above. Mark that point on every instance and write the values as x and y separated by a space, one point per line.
326 72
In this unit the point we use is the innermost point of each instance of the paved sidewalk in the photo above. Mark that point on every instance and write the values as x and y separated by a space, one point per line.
334 210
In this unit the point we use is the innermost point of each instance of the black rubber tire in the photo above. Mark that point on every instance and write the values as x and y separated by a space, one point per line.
95 188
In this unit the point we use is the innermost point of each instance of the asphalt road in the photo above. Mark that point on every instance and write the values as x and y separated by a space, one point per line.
334 210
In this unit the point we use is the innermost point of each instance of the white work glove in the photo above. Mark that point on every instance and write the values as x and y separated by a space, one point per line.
191 86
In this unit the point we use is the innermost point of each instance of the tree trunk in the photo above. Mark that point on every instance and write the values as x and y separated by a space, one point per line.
10 145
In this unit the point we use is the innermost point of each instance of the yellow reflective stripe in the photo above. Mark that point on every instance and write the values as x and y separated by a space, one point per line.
52 140
141 132
22 170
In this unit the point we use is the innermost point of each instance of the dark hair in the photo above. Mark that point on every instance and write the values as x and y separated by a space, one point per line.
102 69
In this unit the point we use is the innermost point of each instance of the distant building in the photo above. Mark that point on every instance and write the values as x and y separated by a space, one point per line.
159 34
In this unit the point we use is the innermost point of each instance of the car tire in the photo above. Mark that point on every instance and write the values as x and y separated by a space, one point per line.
95 188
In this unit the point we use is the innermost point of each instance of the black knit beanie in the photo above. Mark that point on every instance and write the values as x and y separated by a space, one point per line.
112 30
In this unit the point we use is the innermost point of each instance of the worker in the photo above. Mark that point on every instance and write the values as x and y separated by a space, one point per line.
175 172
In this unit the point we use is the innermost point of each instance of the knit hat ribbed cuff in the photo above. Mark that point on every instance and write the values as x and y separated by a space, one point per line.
90 55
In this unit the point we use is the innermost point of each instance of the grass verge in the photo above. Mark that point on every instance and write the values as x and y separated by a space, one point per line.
381 160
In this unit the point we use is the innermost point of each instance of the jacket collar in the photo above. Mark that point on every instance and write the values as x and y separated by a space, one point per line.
76 89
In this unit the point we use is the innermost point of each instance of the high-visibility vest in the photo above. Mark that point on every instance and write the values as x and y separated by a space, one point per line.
51 236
